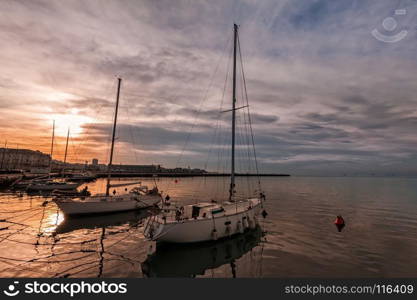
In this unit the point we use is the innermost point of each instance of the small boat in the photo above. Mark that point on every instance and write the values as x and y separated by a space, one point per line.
138 198
51 185
84 177
102 203
22 184
209 221
72 193
97 221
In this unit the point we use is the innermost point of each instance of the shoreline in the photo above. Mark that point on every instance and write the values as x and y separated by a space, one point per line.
115 175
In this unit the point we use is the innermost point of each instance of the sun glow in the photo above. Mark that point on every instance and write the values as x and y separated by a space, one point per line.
75 122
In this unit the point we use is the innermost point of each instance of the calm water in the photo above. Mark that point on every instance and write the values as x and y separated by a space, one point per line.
380 239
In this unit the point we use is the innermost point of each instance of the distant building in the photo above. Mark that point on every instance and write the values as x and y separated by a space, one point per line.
23 159
183 170
94 162
136 168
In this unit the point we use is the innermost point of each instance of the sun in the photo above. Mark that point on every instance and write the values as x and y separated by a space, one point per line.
73 121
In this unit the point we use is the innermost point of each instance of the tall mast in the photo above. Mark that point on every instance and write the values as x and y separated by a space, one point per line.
66 149
232 173
52 146
113 136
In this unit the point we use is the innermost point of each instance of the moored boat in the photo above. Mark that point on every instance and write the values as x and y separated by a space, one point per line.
204 221
51 185
211 221
105 204
138 198
84 177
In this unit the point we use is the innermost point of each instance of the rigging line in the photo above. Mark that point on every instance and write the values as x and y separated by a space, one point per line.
203 100
220 110
95 119
220 58
246 136
217 165
174 98
219 113
201 105
130 132
249 117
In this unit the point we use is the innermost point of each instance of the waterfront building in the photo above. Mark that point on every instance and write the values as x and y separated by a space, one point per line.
23 159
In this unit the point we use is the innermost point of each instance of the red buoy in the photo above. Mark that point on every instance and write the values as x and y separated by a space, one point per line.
340 223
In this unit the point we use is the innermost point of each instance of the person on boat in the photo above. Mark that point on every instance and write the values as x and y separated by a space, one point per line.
153 191
114 192
85 192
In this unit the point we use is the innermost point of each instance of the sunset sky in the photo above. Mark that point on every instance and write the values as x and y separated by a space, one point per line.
327 97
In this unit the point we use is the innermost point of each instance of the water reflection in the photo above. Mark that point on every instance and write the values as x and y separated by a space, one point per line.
190 260
379 240
132 218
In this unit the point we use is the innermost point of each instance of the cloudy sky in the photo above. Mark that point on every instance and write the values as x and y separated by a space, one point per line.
326 96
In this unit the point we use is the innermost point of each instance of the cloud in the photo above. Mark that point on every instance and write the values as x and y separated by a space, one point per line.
325 96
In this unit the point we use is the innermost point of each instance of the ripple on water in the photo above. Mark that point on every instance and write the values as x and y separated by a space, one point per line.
301 240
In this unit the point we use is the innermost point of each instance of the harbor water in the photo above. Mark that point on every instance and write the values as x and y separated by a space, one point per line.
297 238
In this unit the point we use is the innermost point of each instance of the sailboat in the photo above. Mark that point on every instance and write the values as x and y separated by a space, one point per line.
79 177
48 184
207 221
139 197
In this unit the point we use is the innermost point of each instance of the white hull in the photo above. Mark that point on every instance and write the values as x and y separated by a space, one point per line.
106 204
201 229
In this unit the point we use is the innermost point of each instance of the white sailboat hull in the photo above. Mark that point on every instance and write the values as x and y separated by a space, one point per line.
199 230
106 204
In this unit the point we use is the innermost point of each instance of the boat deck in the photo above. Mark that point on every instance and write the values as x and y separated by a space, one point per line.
204 210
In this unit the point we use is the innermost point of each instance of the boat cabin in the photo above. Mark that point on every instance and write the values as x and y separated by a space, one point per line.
201 210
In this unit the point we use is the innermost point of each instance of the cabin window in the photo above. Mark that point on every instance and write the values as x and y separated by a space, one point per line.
217 210
195 212
227 223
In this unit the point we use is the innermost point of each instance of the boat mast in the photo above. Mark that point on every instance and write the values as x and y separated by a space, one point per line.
66 149
232 173
52 147
113 136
